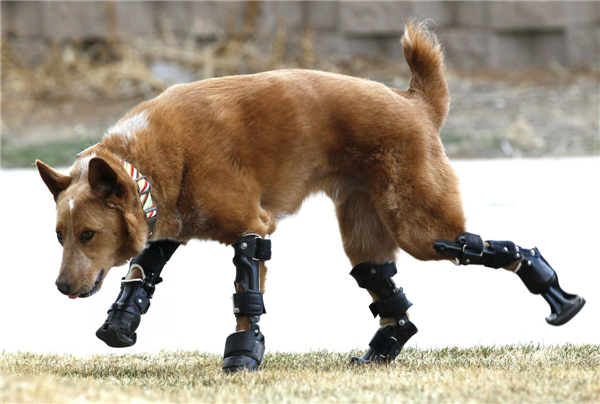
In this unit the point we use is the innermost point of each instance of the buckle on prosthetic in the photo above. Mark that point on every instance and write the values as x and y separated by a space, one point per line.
389 340
244 350
118 331
535 272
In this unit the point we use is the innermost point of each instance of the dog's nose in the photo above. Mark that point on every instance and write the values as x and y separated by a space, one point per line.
64 287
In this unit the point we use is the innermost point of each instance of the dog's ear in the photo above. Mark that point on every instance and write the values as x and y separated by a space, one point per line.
104 179
55 181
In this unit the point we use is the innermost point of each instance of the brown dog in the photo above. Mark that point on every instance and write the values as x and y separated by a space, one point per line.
231 156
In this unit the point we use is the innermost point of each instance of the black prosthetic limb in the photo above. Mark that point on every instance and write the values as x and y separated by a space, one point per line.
531 267
118 331
244 349
389 340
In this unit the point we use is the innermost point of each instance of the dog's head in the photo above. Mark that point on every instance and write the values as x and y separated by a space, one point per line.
99 221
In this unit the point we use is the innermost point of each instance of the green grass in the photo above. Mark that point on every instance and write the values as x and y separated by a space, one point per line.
528 374
54 153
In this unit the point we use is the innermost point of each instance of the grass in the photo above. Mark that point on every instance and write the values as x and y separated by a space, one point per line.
517 374
56 153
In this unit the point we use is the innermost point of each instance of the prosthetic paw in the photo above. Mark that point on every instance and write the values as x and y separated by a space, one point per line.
244 350
387 343
540 278
532 268
118 331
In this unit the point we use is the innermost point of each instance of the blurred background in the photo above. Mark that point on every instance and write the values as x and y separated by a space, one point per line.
524 76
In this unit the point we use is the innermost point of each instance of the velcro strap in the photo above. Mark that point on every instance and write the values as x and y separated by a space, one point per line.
384 344
263 249
151 259
249 303
141 301
504 254
366 272
244 343
386 270
471 242
394 306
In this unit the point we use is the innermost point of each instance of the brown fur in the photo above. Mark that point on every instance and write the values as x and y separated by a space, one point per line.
230 156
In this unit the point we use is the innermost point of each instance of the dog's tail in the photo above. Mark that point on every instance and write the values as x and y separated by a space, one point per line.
425 58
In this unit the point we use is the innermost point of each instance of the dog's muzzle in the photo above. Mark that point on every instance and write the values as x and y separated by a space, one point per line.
94 288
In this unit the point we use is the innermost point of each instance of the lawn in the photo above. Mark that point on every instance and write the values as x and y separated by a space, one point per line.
528 374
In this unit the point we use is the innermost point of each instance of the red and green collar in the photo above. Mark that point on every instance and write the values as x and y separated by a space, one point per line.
143 186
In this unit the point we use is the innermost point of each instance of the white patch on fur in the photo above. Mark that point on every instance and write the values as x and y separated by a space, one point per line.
127 129
71 204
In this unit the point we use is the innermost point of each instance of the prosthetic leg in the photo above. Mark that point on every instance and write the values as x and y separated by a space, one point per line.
244 349
535 272
389 340
118 331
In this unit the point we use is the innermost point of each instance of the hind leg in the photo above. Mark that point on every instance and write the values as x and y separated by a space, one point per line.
421 208
371 250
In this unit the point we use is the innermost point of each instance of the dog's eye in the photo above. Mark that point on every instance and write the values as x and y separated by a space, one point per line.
86 236
59 237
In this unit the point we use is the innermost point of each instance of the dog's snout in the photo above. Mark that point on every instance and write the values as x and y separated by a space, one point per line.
63 287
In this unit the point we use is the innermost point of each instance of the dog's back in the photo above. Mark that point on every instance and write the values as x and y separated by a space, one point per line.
281 135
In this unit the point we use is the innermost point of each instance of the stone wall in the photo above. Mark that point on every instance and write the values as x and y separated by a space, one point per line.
497 34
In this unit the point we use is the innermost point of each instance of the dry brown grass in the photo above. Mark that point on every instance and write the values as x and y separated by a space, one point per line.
118 68
516 374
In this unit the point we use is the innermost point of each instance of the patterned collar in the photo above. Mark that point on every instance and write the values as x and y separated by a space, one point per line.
143 186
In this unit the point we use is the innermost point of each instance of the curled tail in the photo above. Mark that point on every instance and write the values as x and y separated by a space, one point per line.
426 61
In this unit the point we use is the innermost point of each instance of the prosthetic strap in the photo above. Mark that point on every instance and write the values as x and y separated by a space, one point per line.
470 249
244 349
535 272
378 279
388 341
153 259
124 315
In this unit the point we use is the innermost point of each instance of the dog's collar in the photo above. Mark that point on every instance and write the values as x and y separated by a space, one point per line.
143 186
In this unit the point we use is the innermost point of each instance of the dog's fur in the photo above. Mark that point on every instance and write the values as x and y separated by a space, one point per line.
233 155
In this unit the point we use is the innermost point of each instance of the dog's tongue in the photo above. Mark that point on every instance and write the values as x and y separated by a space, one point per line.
73 297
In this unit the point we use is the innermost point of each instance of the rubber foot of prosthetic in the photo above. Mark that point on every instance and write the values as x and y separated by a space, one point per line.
535 272
244 350
116 336
387 343
540 278
124 316
392 304
118 331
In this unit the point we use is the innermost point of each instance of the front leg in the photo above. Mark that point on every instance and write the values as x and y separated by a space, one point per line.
137 288
245 348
